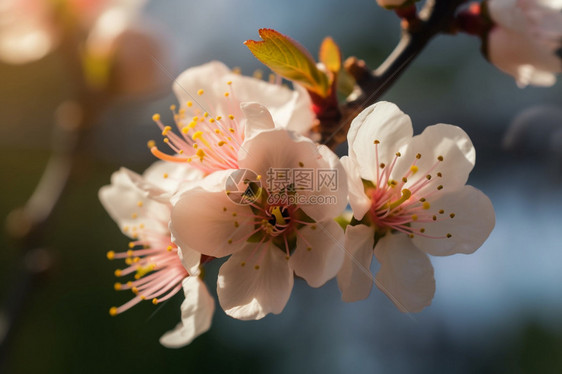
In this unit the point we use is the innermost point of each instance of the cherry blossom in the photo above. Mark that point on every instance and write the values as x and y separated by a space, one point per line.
526 39
140 206
267 239
211 123
409 199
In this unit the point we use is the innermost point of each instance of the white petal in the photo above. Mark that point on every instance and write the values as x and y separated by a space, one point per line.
405 275
168 175
276 150
355 279
248 293
196 314
289 109
382 121
473 221
450 142
301 116
121 200
257 118
359 201
189 258
210 223
319 253
523 57
203 77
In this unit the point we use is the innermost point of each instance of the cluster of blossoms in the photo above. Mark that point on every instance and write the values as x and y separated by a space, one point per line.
244 180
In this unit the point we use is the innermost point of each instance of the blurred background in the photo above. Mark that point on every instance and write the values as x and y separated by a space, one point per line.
497 310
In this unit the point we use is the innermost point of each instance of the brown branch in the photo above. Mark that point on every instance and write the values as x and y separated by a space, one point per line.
436 17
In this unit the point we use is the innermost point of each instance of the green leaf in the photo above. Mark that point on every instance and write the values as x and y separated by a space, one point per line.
330 55
290 60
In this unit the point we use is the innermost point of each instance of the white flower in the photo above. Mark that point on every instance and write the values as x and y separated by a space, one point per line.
409 199
211 123
526 40
270 238
29 29
140 206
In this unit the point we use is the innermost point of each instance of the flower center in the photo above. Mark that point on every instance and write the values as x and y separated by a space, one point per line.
153 259
399 200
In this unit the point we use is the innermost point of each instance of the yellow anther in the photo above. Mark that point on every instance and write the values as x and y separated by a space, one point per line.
226 94
129 261
231 116
166 140
172 107
142 297
117 273
414 169
229 83
231 130
398 154
129 284
211 120
135 290
165 175
113 311
219 118
166 130
110 255
221 143
189 104
242 263
134 215
185 130
206 114
169 248
131 244
406 193
197 135
426 205
414 217
200 92
130 253
126 228
156 117
139 204
201 154
155 301
117 286
377 142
